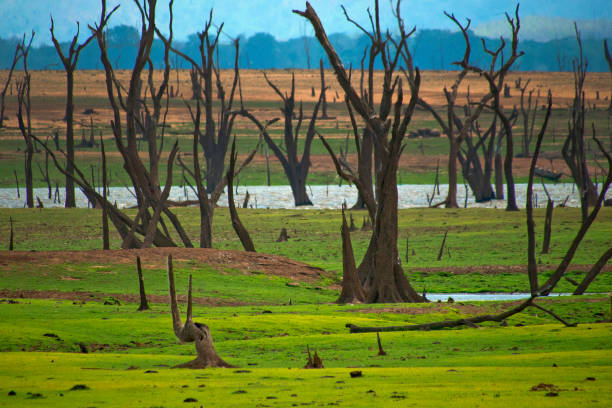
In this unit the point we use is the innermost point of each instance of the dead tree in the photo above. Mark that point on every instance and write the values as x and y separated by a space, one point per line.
144 305
550 204
69 61
495 79
16 57
352 292
207 203
105 234
145 179
24 113
573 149
11 234
477 176
381 274
241 231
459 129
548 286
532 265
528 114
609 60
192 331
363 136
216 135
323 90
123 224
296 169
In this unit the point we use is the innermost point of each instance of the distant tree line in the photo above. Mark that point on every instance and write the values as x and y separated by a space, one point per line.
431 49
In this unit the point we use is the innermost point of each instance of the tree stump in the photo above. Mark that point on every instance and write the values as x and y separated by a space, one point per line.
283 237
192 331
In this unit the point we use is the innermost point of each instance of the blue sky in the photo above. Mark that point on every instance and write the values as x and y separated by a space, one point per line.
543 18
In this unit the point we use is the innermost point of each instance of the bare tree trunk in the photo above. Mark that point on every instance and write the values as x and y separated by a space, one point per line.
105 237
70 197
16 58
70 63
510 191
11 234
241 231
547 226
352 291
25 123
388 281
573 149
609 60
144 305
323 89
549 285
499 176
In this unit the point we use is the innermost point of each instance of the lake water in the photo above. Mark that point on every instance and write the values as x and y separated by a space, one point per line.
466 297
323 197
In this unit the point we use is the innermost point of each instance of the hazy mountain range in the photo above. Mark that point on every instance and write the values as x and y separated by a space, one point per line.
543 19
273 37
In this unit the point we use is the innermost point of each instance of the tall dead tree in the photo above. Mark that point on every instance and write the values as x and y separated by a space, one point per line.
495 79
69 61
323 91
192 331
475 171
573 150
296 168
529 110
151 201
16 57
363 136
532 265
206 79
458 128
24 119
241 231
381 273
609 60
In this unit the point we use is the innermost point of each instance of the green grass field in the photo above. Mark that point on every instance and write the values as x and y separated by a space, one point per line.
263 326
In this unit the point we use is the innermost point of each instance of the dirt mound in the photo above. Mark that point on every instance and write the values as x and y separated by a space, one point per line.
111 298
246 262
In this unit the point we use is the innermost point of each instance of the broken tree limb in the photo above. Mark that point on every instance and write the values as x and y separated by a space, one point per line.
547 226
144 305
442 246
381 352
352 291
241 231
550 312
446 323
593 272
11 234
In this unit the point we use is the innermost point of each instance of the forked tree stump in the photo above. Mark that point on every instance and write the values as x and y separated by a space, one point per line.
192 331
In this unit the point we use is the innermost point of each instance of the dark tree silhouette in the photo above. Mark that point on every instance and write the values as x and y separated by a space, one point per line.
151 200
380 272
296 169
573 149
16 57
216 136
24 114
69 61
